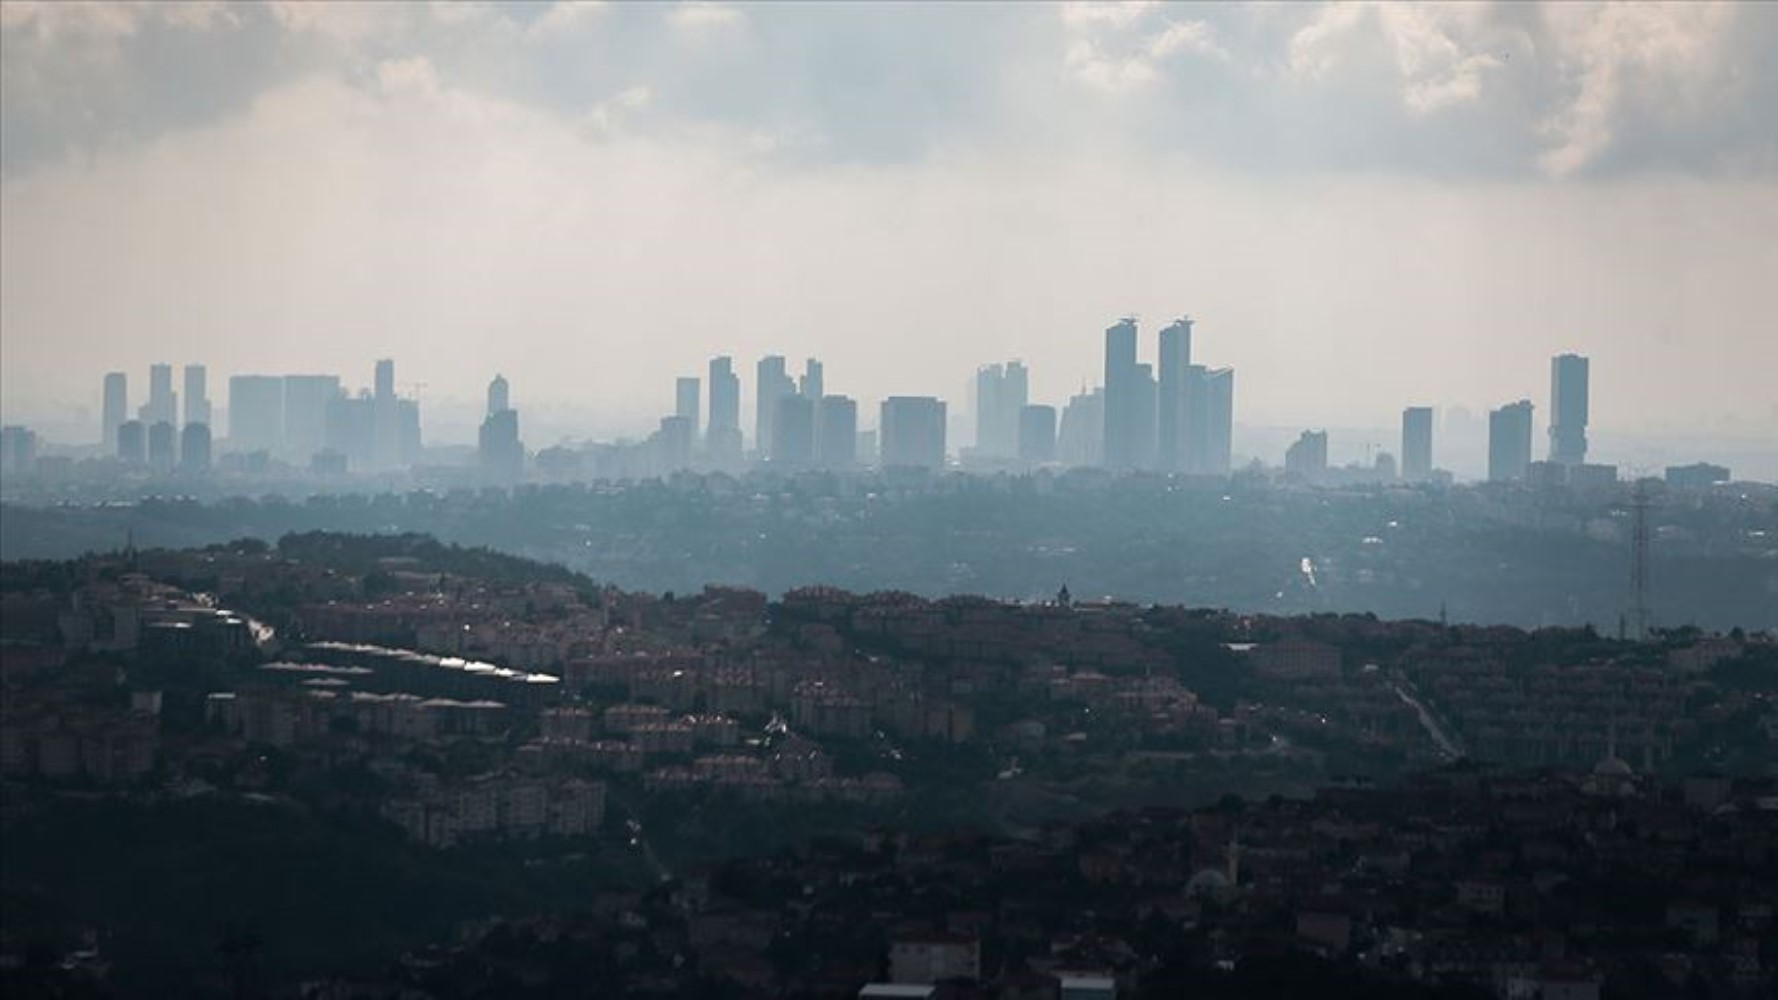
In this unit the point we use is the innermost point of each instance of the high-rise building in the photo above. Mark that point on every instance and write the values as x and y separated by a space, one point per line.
1174 359
1001 391
685 401
1218 386
385 384
672 444
1509 442
1307 457
386 419
1568 409
813 385
256 413
132 442
1122 406
307 399
18 450
912 430
499 450
351 432
724 434
793 432
1080 440
836 432
163 446
1142 417
1037 433
1416 443
197 395
163 402
771 384
115 409
499 395
194 448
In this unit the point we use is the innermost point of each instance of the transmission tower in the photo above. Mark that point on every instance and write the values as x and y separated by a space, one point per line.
1639 562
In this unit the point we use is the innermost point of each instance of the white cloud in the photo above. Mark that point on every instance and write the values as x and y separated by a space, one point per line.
565 17
697 16
1117 48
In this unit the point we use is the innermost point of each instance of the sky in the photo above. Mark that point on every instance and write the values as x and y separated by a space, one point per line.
1363 206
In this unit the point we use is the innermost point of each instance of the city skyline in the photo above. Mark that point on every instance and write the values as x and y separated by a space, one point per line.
1476 205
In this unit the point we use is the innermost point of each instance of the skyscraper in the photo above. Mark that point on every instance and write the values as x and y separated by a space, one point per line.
115 409
771 384
194 448
499 450
1174 358
793 432
1568 409
386 419
1080 439
255 413
1509 442
836 432
163 402
724 435
1121 392
132 442
813 384
307 399
1218 387
163 446
1001 391
1037 433
1416 443
912 432
499 395
197 397
685 401
1307 457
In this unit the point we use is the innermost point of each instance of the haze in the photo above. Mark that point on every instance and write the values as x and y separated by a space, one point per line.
1364 207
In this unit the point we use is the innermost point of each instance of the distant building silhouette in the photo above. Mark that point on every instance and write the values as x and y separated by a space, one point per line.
18 450
686 402
1123 404
1568 409
672 444
163 446
1080 439
1001 391
307 399
813 385
1509 442
1173 362
912 432
1037 434
499 395
1307 456
771 384
115 409
132 442
793 432
197 395
724 433
163 402
1697 476
256 413
836 432
1416 443
194 448
501 453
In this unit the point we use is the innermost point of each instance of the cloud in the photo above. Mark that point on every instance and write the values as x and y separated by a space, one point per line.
566 17
1119 48
697 17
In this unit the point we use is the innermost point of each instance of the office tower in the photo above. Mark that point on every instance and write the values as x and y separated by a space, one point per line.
793 432
1568 409
1308 456
499 395
163 446
351 430
1080 440
163 402
132 442
1218 388
836 432
685 401
18 450
194 448
256 413
1174 359
197 395
912 430
1416 443
386 419
723 437
115 409
498 448
408 446
813 384
672 444
1509 442
770 385
1121 404
1142 417
306 401
1037 433
1001 391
